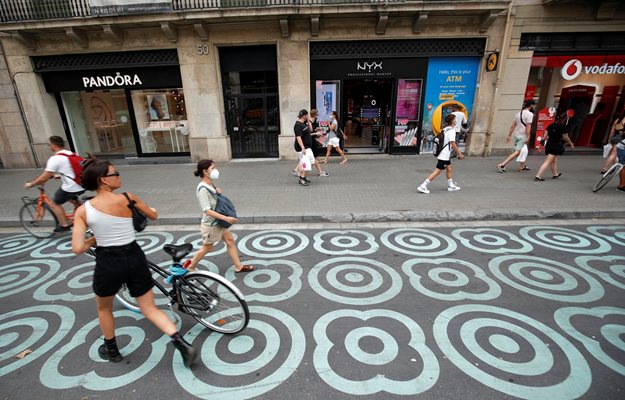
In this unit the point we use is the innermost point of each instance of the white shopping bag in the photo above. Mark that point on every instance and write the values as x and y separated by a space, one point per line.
304 162
523 154
311 157
606 150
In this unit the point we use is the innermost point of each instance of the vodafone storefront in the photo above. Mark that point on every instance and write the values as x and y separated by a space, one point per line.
588 88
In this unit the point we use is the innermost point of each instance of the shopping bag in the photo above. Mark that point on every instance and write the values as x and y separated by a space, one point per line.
523 154
304 163
606 150
311 157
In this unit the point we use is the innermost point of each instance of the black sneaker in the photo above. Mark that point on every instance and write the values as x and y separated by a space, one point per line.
62 228
307 180
302 181
620 188
109 355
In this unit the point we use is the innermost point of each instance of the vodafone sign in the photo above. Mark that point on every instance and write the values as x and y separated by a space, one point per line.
574 67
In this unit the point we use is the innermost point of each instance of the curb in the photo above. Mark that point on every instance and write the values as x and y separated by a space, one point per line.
397 216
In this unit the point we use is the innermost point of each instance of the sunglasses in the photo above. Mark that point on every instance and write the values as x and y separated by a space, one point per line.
111 174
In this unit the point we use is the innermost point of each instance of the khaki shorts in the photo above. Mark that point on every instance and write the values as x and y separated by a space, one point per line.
211 234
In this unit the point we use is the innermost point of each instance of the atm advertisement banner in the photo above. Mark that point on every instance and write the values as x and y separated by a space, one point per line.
451 80
120 7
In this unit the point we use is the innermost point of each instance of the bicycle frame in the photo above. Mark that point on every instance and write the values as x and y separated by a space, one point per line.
178 283
44 199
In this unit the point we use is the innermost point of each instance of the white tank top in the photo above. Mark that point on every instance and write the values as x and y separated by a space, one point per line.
109 230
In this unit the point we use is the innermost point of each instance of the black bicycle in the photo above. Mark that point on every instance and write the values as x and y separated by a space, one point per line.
209 298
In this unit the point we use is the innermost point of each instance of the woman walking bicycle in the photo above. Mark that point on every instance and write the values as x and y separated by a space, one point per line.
119 259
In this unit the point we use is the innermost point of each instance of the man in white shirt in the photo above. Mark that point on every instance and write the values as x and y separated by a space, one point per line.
69 190
443 159
520 128
460 119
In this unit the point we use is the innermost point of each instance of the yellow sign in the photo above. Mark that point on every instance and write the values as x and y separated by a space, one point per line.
492 61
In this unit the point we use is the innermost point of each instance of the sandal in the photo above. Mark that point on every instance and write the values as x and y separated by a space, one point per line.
538 179
245 268
557 176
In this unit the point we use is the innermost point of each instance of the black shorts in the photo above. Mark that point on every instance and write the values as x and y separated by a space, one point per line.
62 197
117 265
442 164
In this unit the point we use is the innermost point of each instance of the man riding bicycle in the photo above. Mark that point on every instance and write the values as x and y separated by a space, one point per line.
70 190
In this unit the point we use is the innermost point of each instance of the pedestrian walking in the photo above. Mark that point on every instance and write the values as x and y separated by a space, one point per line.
617 130
520 128
303 141
119 259
461 120
333 139
316 132
70 189
444 163
207 193
556 137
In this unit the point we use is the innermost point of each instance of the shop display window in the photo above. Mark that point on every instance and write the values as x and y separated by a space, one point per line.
99 122
407 113
162 120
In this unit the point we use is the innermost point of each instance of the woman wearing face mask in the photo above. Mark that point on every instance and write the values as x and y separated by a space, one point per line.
211 232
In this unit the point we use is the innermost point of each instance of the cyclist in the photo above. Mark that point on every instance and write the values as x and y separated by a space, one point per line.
69 190
119 259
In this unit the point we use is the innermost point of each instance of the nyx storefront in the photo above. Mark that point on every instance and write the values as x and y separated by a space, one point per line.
127 104
392 96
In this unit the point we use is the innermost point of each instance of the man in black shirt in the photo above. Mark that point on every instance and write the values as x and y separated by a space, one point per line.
303 141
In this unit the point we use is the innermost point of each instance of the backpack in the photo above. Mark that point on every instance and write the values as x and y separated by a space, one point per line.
77 162
439 141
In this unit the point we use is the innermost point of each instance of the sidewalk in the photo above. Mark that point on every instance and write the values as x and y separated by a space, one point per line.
368 188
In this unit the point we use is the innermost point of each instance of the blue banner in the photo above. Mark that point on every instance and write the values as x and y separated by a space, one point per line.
451 80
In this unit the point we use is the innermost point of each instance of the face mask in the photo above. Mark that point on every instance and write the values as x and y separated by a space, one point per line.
214 175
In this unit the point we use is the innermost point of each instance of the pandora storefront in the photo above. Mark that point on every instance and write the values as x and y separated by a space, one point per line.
125 104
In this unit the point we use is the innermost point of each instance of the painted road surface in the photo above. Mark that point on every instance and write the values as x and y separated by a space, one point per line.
479 312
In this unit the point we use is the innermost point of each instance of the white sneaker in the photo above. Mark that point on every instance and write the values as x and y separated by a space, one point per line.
323 173
453 188
423 190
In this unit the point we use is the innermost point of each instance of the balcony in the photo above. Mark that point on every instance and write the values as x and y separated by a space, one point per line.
38 10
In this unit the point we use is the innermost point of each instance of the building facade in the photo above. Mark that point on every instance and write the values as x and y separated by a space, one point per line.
226 79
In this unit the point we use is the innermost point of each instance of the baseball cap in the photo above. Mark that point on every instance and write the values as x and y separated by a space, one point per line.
302 113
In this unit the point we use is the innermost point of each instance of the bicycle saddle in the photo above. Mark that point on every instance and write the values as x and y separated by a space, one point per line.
177 251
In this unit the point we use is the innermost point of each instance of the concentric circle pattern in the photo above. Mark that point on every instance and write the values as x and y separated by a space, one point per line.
342 337
418 242
354 280
272 244
251 363
459 311
502 348
564 239
546 279
342 243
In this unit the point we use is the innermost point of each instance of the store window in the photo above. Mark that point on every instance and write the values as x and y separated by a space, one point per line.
162 120
99 122
408 109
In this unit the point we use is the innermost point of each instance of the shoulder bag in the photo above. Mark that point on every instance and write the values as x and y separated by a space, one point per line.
139 220
224 206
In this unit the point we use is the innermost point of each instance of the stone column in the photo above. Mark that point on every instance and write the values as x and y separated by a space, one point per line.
294 90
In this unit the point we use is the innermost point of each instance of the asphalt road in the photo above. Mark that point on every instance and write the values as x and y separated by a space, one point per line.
446 311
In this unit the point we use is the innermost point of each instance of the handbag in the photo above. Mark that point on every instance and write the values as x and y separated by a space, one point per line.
139 220
224 206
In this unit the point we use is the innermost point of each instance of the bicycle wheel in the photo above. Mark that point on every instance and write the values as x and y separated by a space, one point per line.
613 170
39 224
124 297
213 301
